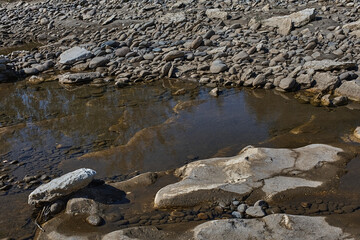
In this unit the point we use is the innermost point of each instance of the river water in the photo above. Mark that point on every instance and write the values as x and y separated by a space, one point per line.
52 129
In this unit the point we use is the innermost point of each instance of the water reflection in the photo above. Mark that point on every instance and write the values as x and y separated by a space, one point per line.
114 131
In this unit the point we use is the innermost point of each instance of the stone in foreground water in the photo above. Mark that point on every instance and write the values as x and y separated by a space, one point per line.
62 186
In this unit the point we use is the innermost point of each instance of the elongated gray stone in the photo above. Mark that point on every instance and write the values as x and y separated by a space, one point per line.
61 186
74 54
69 78
328 65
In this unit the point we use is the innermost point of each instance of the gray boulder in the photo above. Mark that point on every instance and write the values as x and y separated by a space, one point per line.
121 52
218 66
325 81
287 83
350 89
98 62
62 186
74 54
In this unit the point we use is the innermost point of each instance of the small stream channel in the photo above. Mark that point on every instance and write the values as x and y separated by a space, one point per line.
49 129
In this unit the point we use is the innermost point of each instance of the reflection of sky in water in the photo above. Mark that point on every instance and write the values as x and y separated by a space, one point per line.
80 119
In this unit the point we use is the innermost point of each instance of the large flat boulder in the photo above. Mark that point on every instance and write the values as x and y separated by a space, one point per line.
176 18
275 226
216 13
285 23
253 168
328 65
74 54
61 186
350 89
73 78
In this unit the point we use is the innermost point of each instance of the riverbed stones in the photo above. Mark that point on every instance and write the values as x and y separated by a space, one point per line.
74 54
201 180
73 78
62 186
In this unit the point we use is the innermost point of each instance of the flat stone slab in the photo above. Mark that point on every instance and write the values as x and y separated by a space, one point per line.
176 18
72 78
253 168
62 186
275 226
216 13
297 19
74 54
328 65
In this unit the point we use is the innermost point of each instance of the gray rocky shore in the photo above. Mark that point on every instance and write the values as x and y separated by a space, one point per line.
286 45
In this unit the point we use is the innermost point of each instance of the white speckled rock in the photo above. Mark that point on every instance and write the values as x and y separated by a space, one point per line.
62 186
